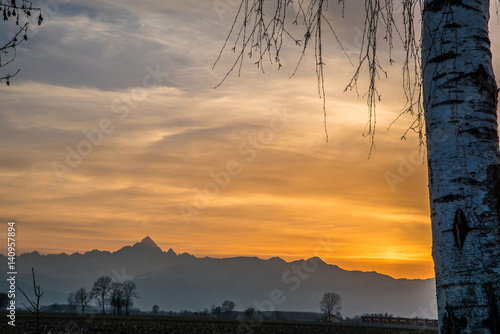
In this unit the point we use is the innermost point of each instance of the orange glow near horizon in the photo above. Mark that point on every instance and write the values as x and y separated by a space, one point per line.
324 200
283 195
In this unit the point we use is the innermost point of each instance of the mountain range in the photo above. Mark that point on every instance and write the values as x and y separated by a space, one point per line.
184 282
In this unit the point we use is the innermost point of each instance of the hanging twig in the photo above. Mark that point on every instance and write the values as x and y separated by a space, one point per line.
263 25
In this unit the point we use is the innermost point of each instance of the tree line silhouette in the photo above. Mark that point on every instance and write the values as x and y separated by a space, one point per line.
119 296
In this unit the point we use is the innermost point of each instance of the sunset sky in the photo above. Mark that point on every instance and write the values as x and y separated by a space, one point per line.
254 148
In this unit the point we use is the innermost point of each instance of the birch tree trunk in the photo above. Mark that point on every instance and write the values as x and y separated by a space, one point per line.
460 101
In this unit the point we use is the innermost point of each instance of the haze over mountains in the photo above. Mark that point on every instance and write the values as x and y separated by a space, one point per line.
184 282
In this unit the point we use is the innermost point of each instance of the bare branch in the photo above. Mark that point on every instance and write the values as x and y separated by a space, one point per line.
15 10
264 23
35 306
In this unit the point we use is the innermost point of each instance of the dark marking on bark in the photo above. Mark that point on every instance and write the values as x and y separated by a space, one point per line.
449 198
489 111
485 49
482 39
460 284
451 323
448 102
452 25
493 321
496 169
443 57
466 181
482 133
459 77
460 228
430 165
480 78
439 76
439 5
493 178
486 81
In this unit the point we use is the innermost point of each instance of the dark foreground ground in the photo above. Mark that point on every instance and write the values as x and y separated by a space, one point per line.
150 325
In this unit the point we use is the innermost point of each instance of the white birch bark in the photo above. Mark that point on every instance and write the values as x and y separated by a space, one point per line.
460 101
